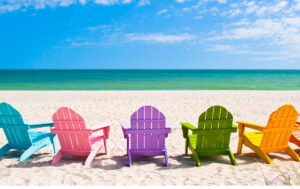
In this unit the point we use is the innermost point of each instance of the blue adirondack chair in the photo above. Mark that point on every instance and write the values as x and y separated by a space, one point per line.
20 136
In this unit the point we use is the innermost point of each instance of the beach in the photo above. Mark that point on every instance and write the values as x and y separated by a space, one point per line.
114 107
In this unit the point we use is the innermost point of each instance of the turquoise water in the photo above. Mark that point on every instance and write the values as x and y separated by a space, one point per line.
149 79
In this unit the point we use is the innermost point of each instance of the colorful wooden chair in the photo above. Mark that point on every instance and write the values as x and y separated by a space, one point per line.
20 135
272 138
212 137
295 137
75 139
146 133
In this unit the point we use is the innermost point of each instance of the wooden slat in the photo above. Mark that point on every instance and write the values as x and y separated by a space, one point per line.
13 126
71 130
148 130
148 126
155 125
141 126
279 128
214 128
133 137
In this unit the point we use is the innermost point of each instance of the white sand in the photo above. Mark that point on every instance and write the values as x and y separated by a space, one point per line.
117 106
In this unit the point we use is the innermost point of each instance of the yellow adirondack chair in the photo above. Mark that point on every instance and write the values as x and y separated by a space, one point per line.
272 138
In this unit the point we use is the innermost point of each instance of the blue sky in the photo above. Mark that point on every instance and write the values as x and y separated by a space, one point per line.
149 34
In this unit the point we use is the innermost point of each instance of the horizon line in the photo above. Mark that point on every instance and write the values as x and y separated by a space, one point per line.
90 69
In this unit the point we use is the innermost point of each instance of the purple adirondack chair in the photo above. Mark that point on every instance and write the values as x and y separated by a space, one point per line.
146 133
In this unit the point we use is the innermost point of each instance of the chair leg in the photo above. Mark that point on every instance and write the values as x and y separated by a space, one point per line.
258 151
90 158
166 158
232 158
186 146
292 153
129 157
240 145
104 141
57 157
264 157
55 144
195 155
4 149
127 146
31 151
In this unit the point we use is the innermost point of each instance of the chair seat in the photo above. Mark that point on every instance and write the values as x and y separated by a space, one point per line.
36 136
254 137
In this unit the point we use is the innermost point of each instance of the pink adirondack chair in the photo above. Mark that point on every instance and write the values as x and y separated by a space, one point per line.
75 139
146 133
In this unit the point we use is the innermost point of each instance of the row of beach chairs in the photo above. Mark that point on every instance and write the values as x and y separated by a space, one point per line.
146 134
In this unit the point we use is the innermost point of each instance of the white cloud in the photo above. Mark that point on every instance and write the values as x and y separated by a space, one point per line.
271 9
127 1
162 11
220 48
251 7
160 38
94 28
234 12
106 2
280 33
144 2
13 5
85 43
181 1
222 1
297 5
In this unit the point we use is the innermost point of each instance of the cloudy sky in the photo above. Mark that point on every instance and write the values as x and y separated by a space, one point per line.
149 34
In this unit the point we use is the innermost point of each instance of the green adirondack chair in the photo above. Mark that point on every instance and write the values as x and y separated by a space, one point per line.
212 137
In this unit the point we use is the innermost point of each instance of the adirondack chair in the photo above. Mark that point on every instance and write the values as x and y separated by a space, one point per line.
295 137
212 137
146 133
272 138
20 135
75 139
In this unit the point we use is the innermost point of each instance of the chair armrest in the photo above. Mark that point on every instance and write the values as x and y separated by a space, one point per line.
251 125
105 127
234 127
100 127
169 125
25 121
125 126
186 127
40 125
297 125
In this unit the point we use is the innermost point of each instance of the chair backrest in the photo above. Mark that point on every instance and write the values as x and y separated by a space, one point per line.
148 118
214 129
13 126
71 130
278 131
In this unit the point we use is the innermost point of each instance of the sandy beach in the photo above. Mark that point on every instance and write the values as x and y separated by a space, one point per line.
179 106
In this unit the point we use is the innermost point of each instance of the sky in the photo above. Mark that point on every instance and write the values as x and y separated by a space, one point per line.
149 34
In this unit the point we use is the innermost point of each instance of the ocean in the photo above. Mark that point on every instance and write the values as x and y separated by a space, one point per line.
149 79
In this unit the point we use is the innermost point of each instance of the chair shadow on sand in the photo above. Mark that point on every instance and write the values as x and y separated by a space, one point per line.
121 161
15 154
34 160
251 157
